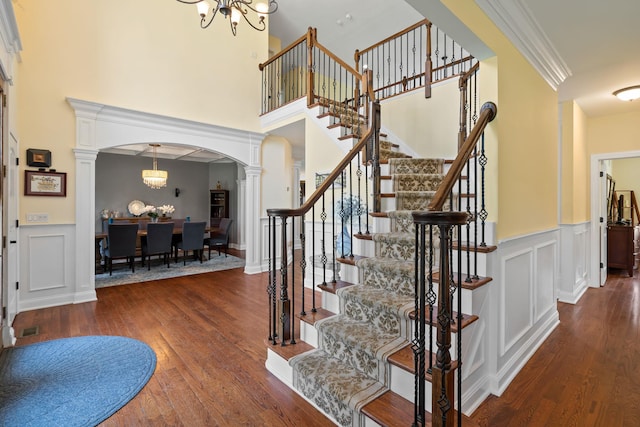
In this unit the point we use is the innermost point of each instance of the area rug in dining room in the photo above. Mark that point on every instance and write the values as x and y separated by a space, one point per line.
78 381
122 275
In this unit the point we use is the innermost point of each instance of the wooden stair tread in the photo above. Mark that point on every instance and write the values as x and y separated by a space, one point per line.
332 287
470 285
379 214
362 236
480 249
467 319
348 136
312 317
290 350
404 359
391 409
350 260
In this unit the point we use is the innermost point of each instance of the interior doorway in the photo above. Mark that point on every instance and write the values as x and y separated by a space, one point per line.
599 212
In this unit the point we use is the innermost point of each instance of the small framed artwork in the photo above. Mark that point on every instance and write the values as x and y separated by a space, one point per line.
38 158
37 183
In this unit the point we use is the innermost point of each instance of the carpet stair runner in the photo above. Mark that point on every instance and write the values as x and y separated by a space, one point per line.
351 367
344 363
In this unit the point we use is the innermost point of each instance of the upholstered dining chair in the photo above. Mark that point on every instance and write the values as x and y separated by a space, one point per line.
157 242
192 240
121 243
220 238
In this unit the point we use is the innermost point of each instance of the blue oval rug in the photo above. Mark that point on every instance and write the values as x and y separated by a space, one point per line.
77 381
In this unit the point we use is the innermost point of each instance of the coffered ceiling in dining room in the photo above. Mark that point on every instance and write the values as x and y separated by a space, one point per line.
172 152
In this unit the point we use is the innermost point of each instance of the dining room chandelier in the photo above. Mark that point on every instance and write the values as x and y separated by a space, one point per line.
235 10
155 178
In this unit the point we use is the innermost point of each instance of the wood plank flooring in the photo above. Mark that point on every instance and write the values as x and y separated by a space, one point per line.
208 332
209 335
587 373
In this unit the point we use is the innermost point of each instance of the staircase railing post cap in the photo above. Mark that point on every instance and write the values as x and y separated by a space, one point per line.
440 217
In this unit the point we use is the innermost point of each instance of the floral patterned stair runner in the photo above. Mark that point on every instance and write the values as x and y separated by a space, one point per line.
349 369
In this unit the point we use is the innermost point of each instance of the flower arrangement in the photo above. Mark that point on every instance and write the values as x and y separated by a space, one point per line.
151 211
349 207
166 209
155 212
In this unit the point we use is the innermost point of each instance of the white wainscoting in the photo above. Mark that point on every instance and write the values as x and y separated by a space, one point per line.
526 276
575 248
47 270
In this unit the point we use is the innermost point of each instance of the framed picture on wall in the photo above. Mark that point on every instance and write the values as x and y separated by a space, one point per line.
37 183
38 158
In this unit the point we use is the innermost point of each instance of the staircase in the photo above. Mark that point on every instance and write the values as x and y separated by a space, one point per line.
356 363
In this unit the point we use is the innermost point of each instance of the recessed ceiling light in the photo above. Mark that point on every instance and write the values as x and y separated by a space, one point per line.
628 93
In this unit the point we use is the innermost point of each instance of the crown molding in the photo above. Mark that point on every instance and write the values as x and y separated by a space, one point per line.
516 21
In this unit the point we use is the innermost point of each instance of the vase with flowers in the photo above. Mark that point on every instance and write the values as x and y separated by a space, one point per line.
166 210
152 212
346 211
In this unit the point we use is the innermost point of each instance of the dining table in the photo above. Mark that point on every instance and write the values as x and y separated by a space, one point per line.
102 235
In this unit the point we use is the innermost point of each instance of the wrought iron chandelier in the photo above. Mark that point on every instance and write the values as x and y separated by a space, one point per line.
155 178
234 10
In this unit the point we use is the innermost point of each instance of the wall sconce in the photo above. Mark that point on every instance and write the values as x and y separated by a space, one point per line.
177 192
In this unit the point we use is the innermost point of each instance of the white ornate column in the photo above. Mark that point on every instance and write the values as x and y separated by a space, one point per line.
253 194
85 183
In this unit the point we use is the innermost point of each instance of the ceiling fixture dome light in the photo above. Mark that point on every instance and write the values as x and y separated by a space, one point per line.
628 93
155 178
234 10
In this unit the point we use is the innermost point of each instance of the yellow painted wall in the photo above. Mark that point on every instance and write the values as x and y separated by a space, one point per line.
413 119
144 55
616 133
526 131
575 164
277 174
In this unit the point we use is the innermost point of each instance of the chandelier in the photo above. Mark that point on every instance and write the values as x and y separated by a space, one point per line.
155 178
234 10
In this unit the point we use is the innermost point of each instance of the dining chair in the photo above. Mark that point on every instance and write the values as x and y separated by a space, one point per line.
157 242
177 238
192 240
220 237
121 243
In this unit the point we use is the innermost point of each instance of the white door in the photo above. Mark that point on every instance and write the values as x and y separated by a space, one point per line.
603 223
11 208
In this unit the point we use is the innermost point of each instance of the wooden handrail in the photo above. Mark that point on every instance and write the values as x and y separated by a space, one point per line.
359 53
285 50
487 114
331 55
337 171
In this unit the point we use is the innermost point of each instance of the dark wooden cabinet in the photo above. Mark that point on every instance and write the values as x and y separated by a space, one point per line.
620 247
219 206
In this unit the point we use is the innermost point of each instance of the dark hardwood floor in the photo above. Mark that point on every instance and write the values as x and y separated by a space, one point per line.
209 332
587 373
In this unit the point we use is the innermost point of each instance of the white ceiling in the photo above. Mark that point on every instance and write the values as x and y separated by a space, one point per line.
585 49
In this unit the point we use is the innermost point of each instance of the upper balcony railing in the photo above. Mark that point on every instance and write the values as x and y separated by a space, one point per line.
413 58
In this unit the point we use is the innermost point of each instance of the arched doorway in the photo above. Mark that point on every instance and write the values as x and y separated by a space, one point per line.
100 127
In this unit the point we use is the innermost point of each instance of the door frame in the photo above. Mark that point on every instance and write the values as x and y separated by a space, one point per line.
598 189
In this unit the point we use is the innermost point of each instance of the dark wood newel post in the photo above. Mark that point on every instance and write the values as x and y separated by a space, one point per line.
311 36
285 304
442 403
